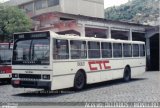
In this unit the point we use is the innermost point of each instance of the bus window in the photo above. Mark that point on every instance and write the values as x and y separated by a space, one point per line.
5 56
117 50
31 51
78 49
127 50
142 50
93 49
135 50
60 49
106 50
5 53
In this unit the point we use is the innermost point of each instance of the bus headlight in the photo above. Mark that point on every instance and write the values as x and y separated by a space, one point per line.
14 75
46 77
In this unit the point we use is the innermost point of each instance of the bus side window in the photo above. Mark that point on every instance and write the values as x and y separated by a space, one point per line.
127 50
142 50
93 50
106 50
117 50
60 49
78 49
135 50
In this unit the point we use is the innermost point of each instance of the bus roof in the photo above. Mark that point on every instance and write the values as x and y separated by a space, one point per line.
77 37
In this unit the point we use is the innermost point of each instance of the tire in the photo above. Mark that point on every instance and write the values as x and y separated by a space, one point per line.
79 81
127 75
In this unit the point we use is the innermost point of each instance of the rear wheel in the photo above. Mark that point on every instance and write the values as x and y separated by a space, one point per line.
79 80
127 75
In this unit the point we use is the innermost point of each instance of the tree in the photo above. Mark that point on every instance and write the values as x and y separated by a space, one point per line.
12 20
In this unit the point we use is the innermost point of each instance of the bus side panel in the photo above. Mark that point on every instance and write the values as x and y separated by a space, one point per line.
138 71
117 68
93 77
64 73
138 66
106 75
61 82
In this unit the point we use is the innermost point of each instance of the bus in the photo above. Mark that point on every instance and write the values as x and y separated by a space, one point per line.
5 62
46 60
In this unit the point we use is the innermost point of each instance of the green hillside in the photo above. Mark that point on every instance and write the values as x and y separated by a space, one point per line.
137 11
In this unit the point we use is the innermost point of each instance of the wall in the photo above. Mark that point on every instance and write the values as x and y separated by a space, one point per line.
93 8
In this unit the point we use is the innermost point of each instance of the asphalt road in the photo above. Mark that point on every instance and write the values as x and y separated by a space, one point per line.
144 88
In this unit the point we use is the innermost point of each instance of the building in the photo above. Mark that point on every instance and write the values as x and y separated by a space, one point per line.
82 18
77 7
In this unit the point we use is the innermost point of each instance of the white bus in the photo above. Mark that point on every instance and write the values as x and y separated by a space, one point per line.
47 60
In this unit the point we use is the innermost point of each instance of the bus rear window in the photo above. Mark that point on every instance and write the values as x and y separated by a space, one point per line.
135 50
142 50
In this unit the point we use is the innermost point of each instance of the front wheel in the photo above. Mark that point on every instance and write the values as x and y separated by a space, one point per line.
127 75
79 80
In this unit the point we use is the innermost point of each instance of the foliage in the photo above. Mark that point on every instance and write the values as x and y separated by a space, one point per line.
138 11
12 20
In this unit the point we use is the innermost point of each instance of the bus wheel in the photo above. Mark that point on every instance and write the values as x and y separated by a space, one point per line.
127 74
79 80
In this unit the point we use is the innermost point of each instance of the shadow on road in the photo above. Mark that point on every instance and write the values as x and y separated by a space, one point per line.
68 91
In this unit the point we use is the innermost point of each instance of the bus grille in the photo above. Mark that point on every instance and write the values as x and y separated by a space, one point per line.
29 76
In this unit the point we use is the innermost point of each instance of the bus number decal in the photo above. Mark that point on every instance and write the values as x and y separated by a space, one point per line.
99 65
80 63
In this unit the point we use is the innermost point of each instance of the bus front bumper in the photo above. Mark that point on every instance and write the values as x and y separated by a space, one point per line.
31 84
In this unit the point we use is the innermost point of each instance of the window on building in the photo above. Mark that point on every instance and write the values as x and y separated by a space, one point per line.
78 49
117 50
135 50
28 7
127 50
40 4
60 49
142 50
106 50
53 3
93 49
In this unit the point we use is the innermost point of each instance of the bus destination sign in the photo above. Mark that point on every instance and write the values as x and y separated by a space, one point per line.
31 35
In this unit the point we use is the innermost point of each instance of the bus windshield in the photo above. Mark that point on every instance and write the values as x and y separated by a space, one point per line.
5 56
31 51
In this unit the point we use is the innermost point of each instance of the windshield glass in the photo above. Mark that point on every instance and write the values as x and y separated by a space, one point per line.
31 51
5 56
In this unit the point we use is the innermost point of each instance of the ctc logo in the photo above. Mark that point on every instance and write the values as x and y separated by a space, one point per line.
98 65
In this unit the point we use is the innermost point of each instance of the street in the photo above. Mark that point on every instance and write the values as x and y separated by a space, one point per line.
144 88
